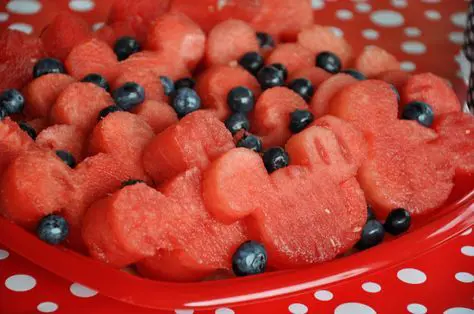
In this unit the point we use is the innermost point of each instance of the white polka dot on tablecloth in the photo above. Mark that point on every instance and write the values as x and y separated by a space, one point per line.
459 310
354 308
224 310
464 277
337 31
467 250
344 14
323 295
20 283
371 287
412 31
414 47
97 26
467 232
47 307
81 5
24 7
298 308
433 15
22 27
407 66
387 18
459 19
370 34
183 311
81 291
416 308
317 4
399 3
363 7
4 16
4 254
411 276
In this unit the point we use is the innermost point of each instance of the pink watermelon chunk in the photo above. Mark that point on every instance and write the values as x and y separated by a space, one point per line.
373 61
293 56
316 75
147 79
397 78
63 137
13 142
158 115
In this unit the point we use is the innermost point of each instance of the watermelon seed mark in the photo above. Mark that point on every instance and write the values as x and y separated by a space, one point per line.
322 151
327 211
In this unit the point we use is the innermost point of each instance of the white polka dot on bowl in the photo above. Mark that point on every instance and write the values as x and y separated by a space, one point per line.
433 15
371 287
337 31
20 283
4 16
459 19
413 47
411 276
412 31
82 291
387 18
47 307
317 4
298 308
81 5
224 310
22 27
457 37
370 34
24 7
467 232
464 277
4 254
467 250
354 308
323 295
416 308
363 7
344 14
459 310
399 3
183 311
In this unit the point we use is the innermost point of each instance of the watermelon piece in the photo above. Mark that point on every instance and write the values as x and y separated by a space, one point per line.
63 137
70 106
65 31
126 226
397 78
316 75
195 141
38 124
271 116
134 27
158 115
374 61
108 35
215 83
327 90
203 245
18 54
36 183
147 10
147 79
41 93
13 142
176 34
293 56
228 41
92 56
432 90
317 39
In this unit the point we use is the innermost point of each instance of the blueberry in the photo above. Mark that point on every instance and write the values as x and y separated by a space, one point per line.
395 90
355 74
67 157
236 122
46 66
12 101
300 119
3 113
269 77
249 259
52 229
370 213
125 47
372 234
398 221
168 85
131 182
241 99
251 142
98 80
252 62
105 112
329 62
275 158
129 95
302 87
186 101
420 112
28 129
188 82
282 68
265 40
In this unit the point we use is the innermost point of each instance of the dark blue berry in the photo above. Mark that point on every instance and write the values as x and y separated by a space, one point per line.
126 46
420 112
249 259
329 62
67 157
372 234
252 62
269 77
129 95
300 119
3 113
53 229
98 80
186 101
251 142
187 82
265 40
282 68
47 66
355 74
275 158
131 182
105 112
168 85
241 99
370 213
236 122
302 87
28 129
398 221
12 101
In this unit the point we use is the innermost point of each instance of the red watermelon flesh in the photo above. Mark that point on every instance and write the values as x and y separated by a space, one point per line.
147 79
147 10
316 75
92 56
397 78
271 116
215 83
13 142
79 104
65 31
317 39
432 90
41 93
108 35
175 33
133 27
158 115
374 61
327 90
36 183
228 41
293 56
63 137
195 141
